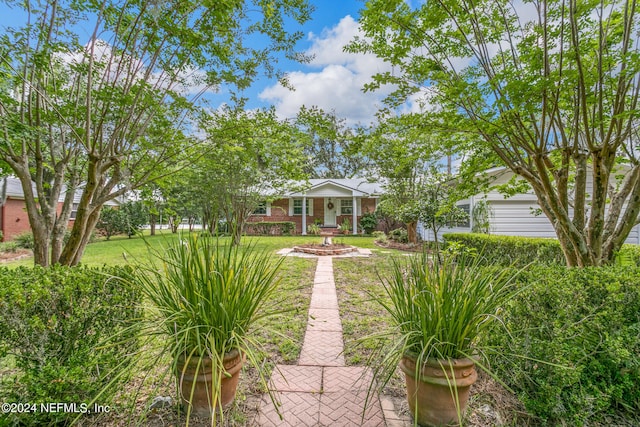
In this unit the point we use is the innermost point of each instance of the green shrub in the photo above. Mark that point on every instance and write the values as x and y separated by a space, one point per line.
577 334
267 228
630 253
70 333
314 229
24 240
369 222
511 250
380 237
8 247
399 235
345 227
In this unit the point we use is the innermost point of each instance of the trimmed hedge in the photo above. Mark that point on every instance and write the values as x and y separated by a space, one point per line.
270 228
58 340
508 250
520 251
573 356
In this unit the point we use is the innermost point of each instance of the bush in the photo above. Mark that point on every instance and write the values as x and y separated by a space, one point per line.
380 237
629 253
369 222
399 235
345 227
577 332
511 250
8 247
275 228
314 229
24 240
71 334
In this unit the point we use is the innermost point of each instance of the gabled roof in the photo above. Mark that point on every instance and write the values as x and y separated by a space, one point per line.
359 187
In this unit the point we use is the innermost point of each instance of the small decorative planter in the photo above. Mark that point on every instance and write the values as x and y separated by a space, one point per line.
432 397
200 395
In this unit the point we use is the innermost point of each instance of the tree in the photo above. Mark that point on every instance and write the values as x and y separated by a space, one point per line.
107 113
127 219
332 147
252 158
551 87
406 155
436 206
111 222
135 216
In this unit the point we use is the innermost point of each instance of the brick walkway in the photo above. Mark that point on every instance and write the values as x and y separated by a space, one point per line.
321 390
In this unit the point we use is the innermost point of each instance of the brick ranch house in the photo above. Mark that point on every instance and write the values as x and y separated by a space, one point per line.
326 201
13 212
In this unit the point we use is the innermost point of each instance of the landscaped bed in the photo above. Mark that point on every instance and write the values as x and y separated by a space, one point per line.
356 281
564 311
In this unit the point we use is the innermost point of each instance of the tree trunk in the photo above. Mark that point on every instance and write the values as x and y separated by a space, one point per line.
40 245
90 226
412 233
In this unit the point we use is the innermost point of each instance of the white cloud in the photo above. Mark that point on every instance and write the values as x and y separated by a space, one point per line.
335 81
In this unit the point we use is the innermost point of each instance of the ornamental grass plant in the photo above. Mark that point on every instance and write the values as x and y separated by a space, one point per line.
440 310
204 297
443 309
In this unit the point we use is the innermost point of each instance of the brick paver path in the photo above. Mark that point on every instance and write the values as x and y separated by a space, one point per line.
321 390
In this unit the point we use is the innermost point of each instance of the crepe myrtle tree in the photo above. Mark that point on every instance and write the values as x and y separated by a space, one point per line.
251 157
551 87
97 97
437 206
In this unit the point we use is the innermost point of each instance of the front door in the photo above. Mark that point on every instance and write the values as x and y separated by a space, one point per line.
330 206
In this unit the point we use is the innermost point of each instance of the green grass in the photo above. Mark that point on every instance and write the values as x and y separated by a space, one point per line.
356 281
120 249
282 345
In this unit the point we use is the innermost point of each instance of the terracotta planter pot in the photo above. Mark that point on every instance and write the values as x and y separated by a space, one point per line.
431 397
202 398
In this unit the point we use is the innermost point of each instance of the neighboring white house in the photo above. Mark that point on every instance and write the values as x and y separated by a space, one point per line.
513 216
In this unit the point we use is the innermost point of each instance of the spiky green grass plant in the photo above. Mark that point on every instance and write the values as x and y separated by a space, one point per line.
204 297
443 309
439 310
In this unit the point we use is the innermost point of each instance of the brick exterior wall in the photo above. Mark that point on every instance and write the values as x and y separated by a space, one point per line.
15 220
280 212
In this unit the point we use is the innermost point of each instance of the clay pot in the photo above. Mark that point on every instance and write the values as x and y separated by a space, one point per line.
201 398
431 397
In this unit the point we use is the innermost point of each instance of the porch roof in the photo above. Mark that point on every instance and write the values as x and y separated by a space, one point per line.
355 187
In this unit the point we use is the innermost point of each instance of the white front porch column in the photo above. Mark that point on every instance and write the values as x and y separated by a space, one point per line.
304 215
354 211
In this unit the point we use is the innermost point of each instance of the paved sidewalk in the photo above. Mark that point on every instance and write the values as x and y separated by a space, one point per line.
321 390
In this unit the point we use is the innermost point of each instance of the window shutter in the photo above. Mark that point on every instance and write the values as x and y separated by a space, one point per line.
359 203
290 207
268 208
310 204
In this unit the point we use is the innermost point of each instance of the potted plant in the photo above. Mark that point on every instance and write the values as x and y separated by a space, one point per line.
441 312
204 297
345 227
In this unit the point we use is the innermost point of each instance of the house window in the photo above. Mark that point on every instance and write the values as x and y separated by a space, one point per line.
297 207
346 207
74 211
261 209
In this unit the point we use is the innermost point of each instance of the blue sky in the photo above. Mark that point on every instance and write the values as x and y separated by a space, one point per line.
333 80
